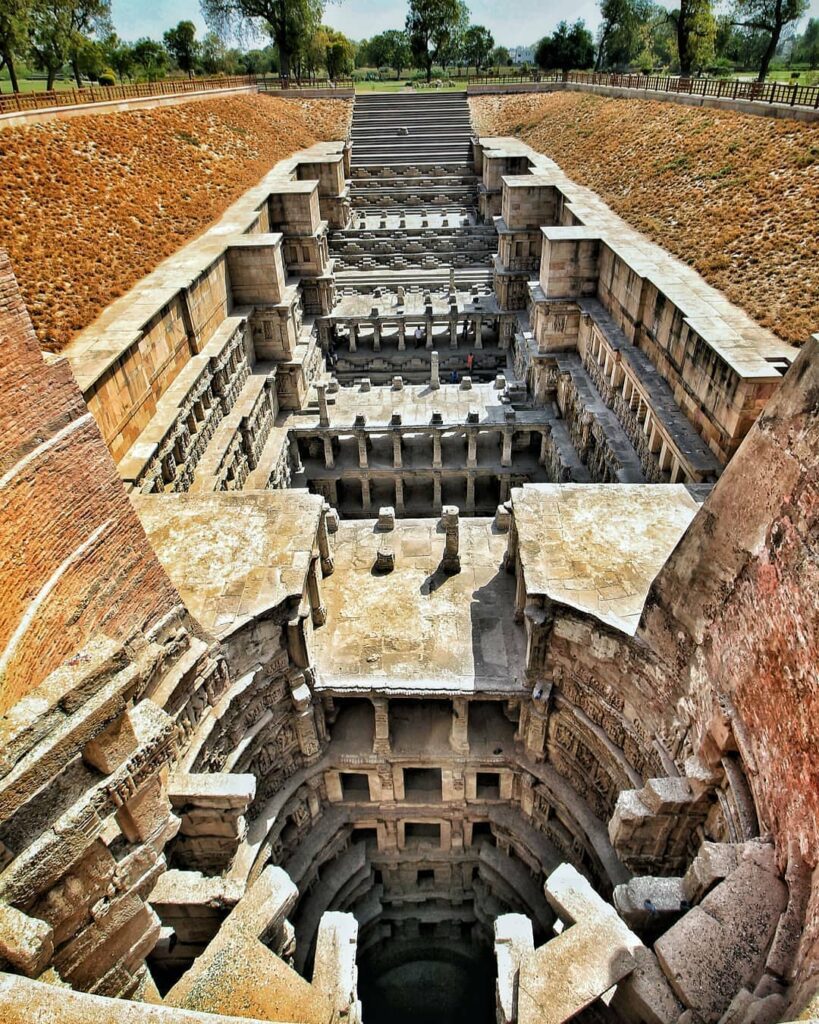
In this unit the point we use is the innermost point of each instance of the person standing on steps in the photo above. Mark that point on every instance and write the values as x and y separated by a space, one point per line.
470 362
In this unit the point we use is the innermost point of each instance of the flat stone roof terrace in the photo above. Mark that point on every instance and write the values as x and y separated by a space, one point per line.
598 547
416 630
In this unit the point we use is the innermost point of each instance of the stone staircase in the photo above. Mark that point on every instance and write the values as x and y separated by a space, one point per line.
421 129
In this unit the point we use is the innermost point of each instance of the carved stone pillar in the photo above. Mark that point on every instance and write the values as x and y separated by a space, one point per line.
471 449
451 562
353 337
470 494
324 415
478 332
329 458
318 608
506 448
304 718
326 555
436 492
361 437
366 499
396 450
434 376
399 495
402 335
459 731
436 449
381 734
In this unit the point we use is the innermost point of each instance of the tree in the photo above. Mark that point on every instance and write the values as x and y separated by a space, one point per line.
500 58
621 31
152 57
771 17
50 38
212 54
478 43
568 48
14 28
696 30
389 49
430 27
806 46
291 23
339 58
182 45
451 50
119 55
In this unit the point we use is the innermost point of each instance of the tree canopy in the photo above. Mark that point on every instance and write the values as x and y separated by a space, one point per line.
432 26
289 22
182 45
568 48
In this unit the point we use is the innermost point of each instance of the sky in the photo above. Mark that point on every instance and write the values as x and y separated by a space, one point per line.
360 19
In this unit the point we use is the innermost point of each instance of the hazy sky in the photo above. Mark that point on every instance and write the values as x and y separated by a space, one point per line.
361 19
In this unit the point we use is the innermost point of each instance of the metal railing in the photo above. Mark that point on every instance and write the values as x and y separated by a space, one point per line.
283 84
106 93
732 89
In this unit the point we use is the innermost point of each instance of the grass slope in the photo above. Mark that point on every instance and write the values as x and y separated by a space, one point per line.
90 205
734 195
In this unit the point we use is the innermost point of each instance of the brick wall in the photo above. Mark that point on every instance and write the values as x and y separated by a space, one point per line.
74 559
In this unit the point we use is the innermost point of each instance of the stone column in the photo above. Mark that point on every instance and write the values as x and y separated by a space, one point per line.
399 495
434 377
436 449
459 731
545 437
295 456
506 451
362 449
396 450
376 336
297 646
453 331
451 562
305 721
470 493
504 488
381 734
353 337
317 606
329 459
324 415
429 326
402 335
436 492
332 492
471 449
366 500
478 332
325 554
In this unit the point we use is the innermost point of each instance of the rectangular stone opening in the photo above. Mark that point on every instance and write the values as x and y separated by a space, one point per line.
488 786
422 833
353 729
354 786
423 785
482 832
426 879
365 834
420 727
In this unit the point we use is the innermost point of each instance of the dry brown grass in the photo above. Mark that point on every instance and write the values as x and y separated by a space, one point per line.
91 205
735 196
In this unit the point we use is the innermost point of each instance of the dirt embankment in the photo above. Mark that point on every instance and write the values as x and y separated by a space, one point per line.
90 205
735 196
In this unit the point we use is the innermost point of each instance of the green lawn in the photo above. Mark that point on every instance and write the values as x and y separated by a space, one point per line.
33 85
457 85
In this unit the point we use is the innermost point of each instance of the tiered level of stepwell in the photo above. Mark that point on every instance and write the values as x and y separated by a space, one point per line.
424 609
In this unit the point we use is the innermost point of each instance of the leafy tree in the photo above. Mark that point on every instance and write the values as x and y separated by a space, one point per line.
182 45
696 30
152 57
478 43
339 58
390 49
15 18
212 54
569 47
291 23
806 46
770 17
430 27
120 56
258 62
621 31
50 38
500 57
451 50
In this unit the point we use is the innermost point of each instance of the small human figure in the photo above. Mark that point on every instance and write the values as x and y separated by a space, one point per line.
419 334
470 361
453 377
537 693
